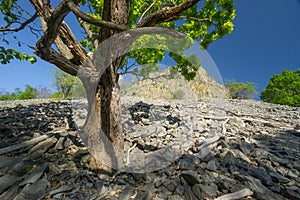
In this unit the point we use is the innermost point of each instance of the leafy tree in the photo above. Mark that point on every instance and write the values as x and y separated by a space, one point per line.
63 82
29 93
68 86
8 54
283 89
204 21
240 90
57 95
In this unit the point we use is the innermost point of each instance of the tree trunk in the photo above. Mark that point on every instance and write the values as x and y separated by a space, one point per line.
103 128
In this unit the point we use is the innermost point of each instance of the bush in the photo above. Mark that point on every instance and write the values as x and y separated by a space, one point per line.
283 89
57 95
6 96
240 90
179 94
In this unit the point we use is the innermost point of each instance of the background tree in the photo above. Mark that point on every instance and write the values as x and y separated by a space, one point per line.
68 86
205 21
29 93
283 89
240 90
63 82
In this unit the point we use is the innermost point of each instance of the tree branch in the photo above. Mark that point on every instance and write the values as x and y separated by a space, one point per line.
194 18
21 27
51 56
72 54
95 21
142 16
55 21
167 14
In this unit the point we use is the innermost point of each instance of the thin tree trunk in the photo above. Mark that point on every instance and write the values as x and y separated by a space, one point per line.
104 129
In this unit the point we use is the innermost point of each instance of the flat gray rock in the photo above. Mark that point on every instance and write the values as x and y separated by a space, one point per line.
279 178
34 191
205 191
35 175
190 177
126 193
7 180
261 174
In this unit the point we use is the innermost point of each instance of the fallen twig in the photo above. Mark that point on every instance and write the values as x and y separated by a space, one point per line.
209 141
128 152
22 145
214 139
223 127
236 195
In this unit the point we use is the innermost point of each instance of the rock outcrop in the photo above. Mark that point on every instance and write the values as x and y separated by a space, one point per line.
160 85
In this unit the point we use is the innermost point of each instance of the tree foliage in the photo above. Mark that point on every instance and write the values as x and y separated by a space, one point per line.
283 89
13 16
29 93
63 82
205 22
240 90
68 86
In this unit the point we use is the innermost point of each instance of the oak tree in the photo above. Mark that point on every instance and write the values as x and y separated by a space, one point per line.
204 21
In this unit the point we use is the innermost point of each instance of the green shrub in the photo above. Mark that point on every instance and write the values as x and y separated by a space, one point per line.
240 90
29 93
178 94
283 89
57 95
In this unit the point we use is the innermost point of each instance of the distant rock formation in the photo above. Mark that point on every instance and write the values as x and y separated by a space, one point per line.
163 85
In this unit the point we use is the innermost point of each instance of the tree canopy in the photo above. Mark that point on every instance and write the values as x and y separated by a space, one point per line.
204 21
240 90
283 89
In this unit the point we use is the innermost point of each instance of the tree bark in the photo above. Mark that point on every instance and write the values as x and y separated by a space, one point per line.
103 127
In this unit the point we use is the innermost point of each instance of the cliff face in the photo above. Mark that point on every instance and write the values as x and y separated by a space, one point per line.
160 85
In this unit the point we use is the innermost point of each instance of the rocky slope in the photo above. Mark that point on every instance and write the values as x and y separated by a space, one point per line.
160 86
247 149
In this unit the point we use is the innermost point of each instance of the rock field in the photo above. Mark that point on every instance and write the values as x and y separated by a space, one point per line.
229 149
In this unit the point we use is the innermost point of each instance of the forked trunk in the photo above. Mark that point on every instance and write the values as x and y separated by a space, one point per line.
103 128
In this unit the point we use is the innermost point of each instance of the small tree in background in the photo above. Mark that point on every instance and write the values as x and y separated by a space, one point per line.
29 93
283 89
63 82
68 86
240 90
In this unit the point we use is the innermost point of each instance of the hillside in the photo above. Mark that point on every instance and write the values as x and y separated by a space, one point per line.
159 85
176 149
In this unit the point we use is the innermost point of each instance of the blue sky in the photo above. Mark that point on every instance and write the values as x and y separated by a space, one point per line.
265 41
